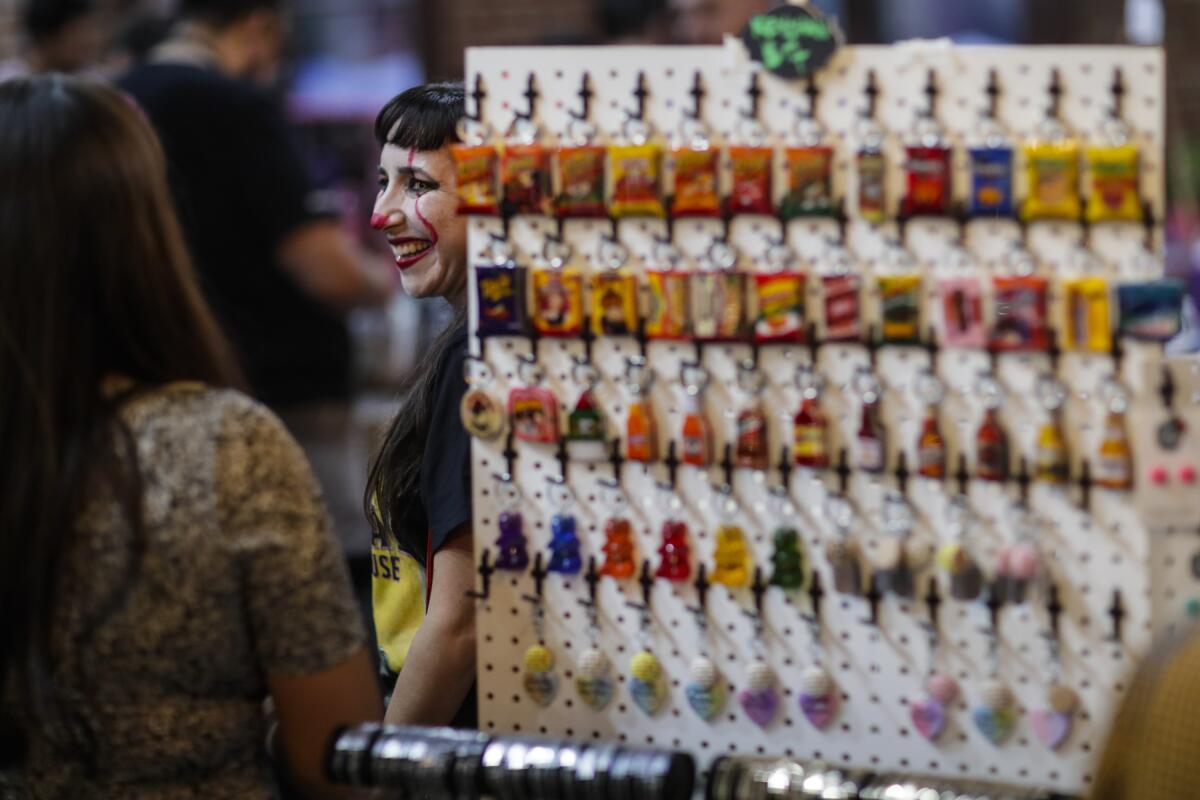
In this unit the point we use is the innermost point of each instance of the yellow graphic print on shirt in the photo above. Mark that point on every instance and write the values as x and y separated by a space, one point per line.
398 601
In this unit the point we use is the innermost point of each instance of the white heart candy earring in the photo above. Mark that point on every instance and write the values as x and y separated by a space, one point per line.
1052 725
818 691
930 711
594 680
706 690
540 679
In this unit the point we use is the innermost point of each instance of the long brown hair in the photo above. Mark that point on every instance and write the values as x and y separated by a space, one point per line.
94 281
421 118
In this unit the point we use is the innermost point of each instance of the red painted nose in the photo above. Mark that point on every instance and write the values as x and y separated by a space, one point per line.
379 221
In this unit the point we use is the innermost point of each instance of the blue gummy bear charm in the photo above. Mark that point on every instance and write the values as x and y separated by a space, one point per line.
564 546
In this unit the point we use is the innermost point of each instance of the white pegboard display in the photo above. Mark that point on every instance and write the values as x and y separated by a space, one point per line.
1119 541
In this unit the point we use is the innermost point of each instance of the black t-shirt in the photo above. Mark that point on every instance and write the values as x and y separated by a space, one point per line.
241 188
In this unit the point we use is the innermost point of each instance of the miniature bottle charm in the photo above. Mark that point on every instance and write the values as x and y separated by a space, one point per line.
675 563
540 680
641 436
731 557
788 561
750 449
931 445
818 697
594 680
1050 459
991 442
810 426
995 717
871 163
1114 468
872 453
695 435
705 692
646 683
760 699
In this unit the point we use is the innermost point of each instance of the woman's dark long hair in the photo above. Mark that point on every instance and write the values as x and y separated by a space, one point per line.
422 118
94 281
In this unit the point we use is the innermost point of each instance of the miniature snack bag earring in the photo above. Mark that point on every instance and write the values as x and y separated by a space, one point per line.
809 166
500 291
525 171
751 166
580 173
614 293
871 162
635 169
475 169
1113 167
779 313
718 295
928 173
667 310
557 304
1052 166
532 408
991 158
694 168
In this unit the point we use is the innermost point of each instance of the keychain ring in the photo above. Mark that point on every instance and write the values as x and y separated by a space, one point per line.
530 371
556 252
638 373
500 251
690 368
522 130
666 253
750 378
752 131
721 255
581 132
637 131
585 373
612 253
472 131
476 370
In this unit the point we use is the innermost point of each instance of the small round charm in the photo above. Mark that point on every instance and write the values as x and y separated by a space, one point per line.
646 685
1062 699
759 677
816 682
996 695
942 688
541 684
704 673
594 682
1170 433
481 415
593 662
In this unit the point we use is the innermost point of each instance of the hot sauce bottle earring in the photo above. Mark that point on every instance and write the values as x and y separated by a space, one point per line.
991 441
565 558
928 175
751 444
931 444
1050 464
871 161
641 434
1113 166
842 551
482 415
1114 465
991 158
620 554
872 436
532 408
1052 166
809 166
557 303
512 551
810 427
695 435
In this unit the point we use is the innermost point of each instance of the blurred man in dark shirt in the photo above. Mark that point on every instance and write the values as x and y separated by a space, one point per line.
59 36
279 271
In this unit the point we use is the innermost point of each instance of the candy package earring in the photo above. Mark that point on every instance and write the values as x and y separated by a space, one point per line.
901 300
1088 318
927 173
525 172
533 409
636 172
1151 311
475 170
482 415
667 285
718 295
557 306
695 436
779 300
694 173
1052 166
1113 167
511 547
809 167
580 173
500 291
991 159
962 312
1021 314
614 293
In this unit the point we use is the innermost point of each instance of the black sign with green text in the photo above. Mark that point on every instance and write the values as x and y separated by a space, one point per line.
790 41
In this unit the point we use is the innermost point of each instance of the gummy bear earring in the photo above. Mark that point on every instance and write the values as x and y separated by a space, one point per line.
564 543
619 552
706 690
731 554
540 680
511 547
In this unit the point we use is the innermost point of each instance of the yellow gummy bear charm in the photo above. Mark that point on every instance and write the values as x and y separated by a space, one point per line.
732 558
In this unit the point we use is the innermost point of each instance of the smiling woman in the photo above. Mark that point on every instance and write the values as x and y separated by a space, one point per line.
419 492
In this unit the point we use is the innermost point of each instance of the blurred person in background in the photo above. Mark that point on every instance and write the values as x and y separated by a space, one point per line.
633 22
280 272
418 494
59 36
707 21
165 559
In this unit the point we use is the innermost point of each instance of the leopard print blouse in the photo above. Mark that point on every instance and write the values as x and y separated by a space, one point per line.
240 577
